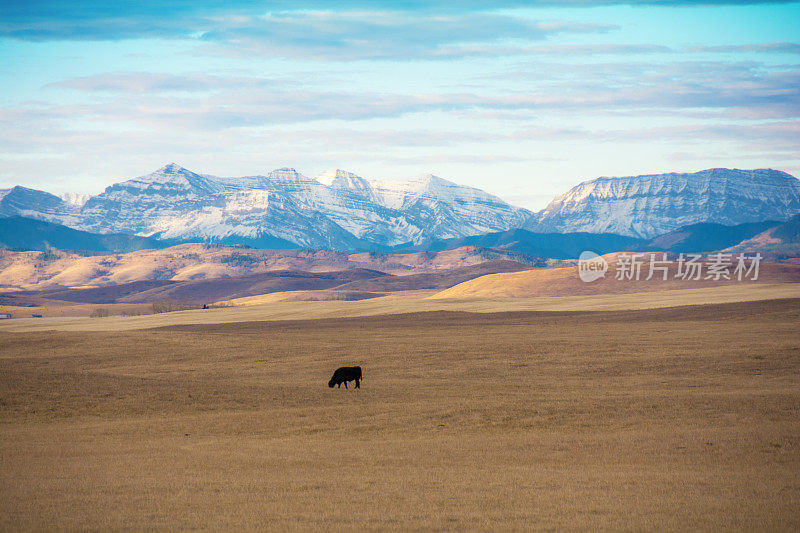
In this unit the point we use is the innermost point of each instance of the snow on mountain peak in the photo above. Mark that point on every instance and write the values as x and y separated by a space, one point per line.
168 180
431 180
75 198
428 178
171 172
653 204
329 177
287 175
344 180
339 209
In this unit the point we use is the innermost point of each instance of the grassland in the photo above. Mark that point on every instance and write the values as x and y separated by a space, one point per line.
281 306
668 419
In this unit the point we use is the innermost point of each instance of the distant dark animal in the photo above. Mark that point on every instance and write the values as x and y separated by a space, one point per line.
345 374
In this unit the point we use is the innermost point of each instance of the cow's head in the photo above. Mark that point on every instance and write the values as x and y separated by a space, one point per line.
331 383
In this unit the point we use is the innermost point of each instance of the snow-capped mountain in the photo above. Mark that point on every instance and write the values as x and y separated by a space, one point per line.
75 198
651 205
24 202
284 208
133 206
342 211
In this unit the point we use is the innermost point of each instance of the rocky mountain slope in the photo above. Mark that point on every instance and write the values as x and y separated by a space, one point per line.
282 209
651 205
339 210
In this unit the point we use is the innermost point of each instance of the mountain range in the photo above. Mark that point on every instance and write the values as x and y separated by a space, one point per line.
339 210
651 205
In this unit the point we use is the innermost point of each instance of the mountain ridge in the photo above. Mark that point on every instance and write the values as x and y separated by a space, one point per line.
349 212
648 205
343 211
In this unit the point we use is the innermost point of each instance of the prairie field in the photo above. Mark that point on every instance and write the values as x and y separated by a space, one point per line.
652 419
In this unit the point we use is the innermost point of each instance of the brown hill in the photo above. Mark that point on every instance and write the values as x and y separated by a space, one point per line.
54 270
781 243
432 280
204 290
100 295
352 284
211 290
566 282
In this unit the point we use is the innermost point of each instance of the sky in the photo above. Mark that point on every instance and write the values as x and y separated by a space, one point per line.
521 99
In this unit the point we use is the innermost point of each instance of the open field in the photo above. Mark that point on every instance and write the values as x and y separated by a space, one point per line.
279 306
668 419
488 286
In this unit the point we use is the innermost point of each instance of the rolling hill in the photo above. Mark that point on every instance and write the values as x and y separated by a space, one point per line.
29 234
779 243
355 283
704 237
210 290
701 237
432 280
566 282
38 271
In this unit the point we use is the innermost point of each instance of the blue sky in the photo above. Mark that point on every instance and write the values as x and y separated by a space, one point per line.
523 99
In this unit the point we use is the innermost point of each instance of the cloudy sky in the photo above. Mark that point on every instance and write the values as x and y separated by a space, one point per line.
523 99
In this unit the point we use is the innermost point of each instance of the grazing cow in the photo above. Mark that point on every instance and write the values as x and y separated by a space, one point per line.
345 374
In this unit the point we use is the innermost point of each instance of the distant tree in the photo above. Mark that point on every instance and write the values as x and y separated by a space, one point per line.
48 255
168 305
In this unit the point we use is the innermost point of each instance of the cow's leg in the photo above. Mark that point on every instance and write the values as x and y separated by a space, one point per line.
339 385
345 384
358 385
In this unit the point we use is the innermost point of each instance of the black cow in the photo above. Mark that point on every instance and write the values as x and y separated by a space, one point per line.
344 374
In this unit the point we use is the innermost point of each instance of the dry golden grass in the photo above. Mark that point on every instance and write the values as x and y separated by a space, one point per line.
66 309
302 296
566 282
668 419
410 303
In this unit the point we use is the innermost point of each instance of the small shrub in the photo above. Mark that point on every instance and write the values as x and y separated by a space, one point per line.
100 312
48 255
237 259
162 274
168 305
136 312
